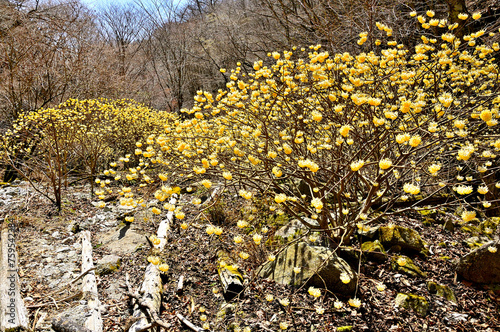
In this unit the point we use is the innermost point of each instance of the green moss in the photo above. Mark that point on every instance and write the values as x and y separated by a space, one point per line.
408 267
471 229
427 222
427 212
344 328
442 244
413 302
442 291
406 238
444 258
278 220
375 246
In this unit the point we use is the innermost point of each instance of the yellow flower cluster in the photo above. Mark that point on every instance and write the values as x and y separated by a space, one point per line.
306 125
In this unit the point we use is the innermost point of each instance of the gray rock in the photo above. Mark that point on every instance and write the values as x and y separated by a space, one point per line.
108 264
113 292
482 265
320 267
123 240
78 314
294 228
405 265
374 250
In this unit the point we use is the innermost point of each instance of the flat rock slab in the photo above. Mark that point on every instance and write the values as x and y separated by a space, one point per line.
123 240
482 265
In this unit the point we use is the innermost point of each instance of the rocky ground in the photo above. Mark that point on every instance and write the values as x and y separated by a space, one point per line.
401 290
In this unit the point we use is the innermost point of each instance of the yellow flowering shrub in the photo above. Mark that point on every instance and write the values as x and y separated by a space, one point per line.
77 137
362 130
339 137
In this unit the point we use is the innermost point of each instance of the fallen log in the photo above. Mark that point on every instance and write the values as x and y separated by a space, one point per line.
147 307
13 313
231 281
165 224
89 287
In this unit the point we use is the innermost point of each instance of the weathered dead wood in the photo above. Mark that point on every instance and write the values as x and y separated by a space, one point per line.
189 324
165 224
62 325
147 306
13 313
231 283
89 287
213 195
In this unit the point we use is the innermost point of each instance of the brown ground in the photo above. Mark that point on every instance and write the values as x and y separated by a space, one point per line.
193 254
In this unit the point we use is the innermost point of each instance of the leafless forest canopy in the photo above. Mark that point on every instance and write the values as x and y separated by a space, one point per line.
160 53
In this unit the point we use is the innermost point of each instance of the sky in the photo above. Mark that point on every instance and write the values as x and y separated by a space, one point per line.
96 3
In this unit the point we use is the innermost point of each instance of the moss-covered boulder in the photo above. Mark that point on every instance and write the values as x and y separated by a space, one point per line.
482 265
405 265
405 238
442 291
374 250
412 302
319 267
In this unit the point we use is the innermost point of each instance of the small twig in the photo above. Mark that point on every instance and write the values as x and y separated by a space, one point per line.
180 285
61 300
189 324
55 303
72 282
34 319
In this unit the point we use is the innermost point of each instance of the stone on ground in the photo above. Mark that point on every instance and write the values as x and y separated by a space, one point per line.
319 267
482 265
108 264
407 239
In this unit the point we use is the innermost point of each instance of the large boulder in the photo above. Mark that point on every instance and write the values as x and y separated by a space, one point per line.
404 238
482 265
319 267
